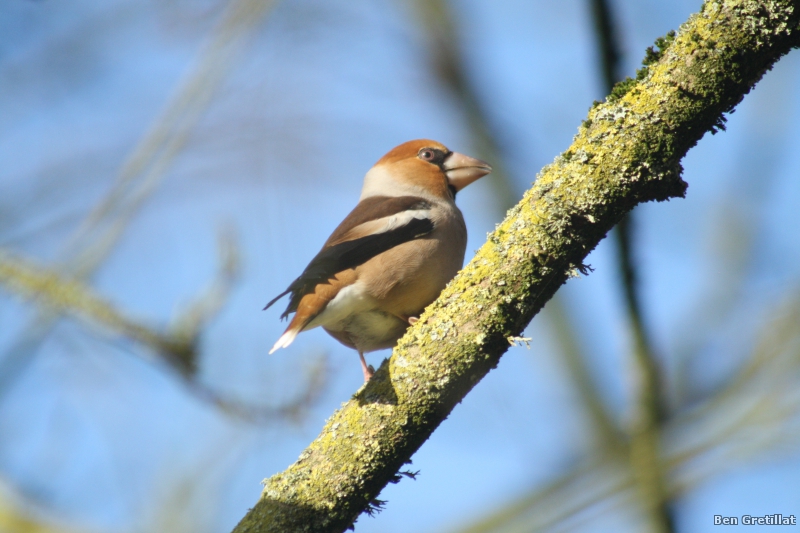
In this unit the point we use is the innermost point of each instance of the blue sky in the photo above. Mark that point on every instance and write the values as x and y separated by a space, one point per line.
100 435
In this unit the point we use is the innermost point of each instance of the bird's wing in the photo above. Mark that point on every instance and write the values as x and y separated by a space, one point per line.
377 224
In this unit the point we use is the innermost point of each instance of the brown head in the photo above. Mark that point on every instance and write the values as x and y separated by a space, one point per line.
422 166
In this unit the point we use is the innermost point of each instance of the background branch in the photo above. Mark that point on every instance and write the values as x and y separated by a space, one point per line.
644 447
140 176
448 64
48 287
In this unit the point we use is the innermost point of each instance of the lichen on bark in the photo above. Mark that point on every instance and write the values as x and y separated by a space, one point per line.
628 151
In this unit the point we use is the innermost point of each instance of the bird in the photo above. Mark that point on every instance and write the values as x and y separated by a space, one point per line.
391 256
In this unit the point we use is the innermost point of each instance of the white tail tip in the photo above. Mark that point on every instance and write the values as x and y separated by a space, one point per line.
286 339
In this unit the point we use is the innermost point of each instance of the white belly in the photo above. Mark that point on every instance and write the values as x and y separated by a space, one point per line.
369 331
352 317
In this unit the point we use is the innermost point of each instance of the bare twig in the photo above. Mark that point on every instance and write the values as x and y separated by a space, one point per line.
611 439
140 176
54 290
146 166
648 394
177 345
314 384
449 66
189 323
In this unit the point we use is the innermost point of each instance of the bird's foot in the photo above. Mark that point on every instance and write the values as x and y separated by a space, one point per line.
411 320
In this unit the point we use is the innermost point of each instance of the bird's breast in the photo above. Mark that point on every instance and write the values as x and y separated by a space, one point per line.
407 278
371 314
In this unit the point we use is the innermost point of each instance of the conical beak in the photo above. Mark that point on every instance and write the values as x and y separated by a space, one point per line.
461 170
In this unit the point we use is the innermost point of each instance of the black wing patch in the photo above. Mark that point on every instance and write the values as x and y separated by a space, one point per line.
349 254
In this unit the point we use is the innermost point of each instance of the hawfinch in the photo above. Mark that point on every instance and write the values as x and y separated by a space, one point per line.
391 256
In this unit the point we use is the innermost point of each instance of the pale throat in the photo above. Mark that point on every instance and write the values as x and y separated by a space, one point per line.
379 181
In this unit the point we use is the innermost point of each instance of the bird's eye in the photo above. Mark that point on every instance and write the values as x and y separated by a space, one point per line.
427 154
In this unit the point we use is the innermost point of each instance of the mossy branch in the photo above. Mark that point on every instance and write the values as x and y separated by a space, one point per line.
628 151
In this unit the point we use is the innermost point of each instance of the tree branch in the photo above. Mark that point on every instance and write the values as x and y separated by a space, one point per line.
627 152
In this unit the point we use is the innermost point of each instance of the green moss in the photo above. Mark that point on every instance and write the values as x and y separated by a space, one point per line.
661 45
620 89
652 55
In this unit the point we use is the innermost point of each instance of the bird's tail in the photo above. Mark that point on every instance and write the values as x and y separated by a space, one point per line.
286 339
301 320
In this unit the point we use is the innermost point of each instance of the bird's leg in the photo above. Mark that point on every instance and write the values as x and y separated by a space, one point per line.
367 369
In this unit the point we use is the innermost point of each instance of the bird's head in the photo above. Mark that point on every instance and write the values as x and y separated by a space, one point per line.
422 166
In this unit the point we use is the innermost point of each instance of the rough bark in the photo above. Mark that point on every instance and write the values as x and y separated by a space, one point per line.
628 151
